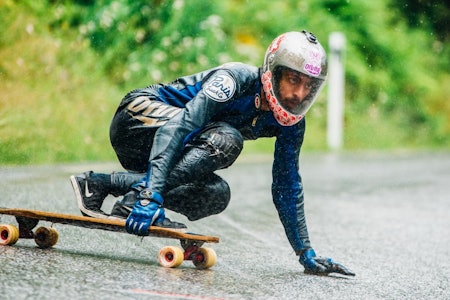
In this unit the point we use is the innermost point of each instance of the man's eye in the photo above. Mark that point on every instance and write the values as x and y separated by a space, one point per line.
294 79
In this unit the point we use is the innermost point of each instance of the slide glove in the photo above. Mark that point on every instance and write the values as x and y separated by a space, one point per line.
321 265
147 210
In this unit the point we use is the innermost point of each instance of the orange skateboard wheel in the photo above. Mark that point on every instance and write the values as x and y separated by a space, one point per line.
204 258
170 256
46 237
9 234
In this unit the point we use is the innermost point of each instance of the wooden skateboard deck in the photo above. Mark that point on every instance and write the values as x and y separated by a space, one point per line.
46 237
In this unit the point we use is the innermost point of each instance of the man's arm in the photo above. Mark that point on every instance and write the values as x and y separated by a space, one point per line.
287 191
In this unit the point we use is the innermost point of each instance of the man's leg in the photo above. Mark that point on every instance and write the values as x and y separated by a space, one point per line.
197 200
194 190
216 147
132 131
92 188
192 187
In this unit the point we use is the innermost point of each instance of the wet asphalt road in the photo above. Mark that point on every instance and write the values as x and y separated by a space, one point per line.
386 216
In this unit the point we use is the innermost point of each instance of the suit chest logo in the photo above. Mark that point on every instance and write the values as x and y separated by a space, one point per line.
220 87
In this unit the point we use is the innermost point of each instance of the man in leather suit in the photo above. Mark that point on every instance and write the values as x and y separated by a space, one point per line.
172 137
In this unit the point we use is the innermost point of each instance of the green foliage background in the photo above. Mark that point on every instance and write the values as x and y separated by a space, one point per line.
65 65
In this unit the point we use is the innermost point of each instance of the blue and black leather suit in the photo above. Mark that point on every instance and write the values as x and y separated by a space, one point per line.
153 127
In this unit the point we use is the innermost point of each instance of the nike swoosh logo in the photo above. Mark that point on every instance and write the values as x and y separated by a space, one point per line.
87 193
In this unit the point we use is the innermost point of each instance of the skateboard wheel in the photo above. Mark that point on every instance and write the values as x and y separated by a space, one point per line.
46 237
170 256
9 234
204 258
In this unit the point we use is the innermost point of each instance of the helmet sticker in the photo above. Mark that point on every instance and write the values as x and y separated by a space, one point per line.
315 56
313 67
276 43
220 87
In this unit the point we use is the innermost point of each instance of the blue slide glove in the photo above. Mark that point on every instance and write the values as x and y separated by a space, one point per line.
321 265
147 210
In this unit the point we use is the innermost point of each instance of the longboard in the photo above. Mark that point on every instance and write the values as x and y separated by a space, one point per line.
46 237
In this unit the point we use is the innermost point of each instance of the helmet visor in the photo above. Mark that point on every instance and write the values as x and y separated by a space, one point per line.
295 91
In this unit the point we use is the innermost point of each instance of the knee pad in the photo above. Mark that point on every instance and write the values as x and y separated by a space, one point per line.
197 200
223 141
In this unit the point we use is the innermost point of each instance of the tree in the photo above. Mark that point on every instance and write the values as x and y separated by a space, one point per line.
433 13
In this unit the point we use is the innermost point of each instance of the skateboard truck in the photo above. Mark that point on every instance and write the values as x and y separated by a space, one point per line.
26 227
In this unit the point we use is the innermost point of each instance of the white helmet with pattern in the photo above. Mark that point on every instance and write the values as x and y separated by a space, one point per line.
300 52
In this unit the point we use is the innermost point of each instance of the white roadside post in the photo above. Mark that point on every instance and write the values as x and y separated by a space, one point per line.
336 82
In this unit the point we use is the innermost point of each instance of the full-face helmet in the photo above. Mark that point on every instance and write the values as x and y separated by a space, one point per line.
300 52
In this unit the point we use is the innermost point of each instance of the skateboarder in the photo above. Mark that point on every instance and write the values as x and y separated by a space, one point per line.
172 137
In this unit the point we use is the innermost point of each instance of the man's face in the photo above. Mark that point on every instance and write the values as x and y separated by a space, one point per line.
294 87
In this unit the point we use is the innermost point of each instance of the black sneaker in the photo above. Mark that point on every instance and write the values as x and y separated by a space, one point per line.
167 223
90 192
123 207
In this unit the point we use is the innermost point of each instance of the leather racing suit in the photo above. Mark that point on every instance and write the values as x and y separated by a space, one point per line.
153 125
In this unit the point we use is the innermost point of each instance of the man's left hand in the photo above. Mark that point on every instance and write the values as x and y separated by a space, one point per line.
321 265
147 210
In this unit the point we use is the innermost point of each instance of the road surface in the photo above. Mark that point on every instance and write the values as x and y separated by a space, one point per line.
384 215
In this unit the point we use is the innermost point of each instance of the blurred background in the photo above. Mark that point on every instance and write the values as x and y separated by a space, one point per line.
65 65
